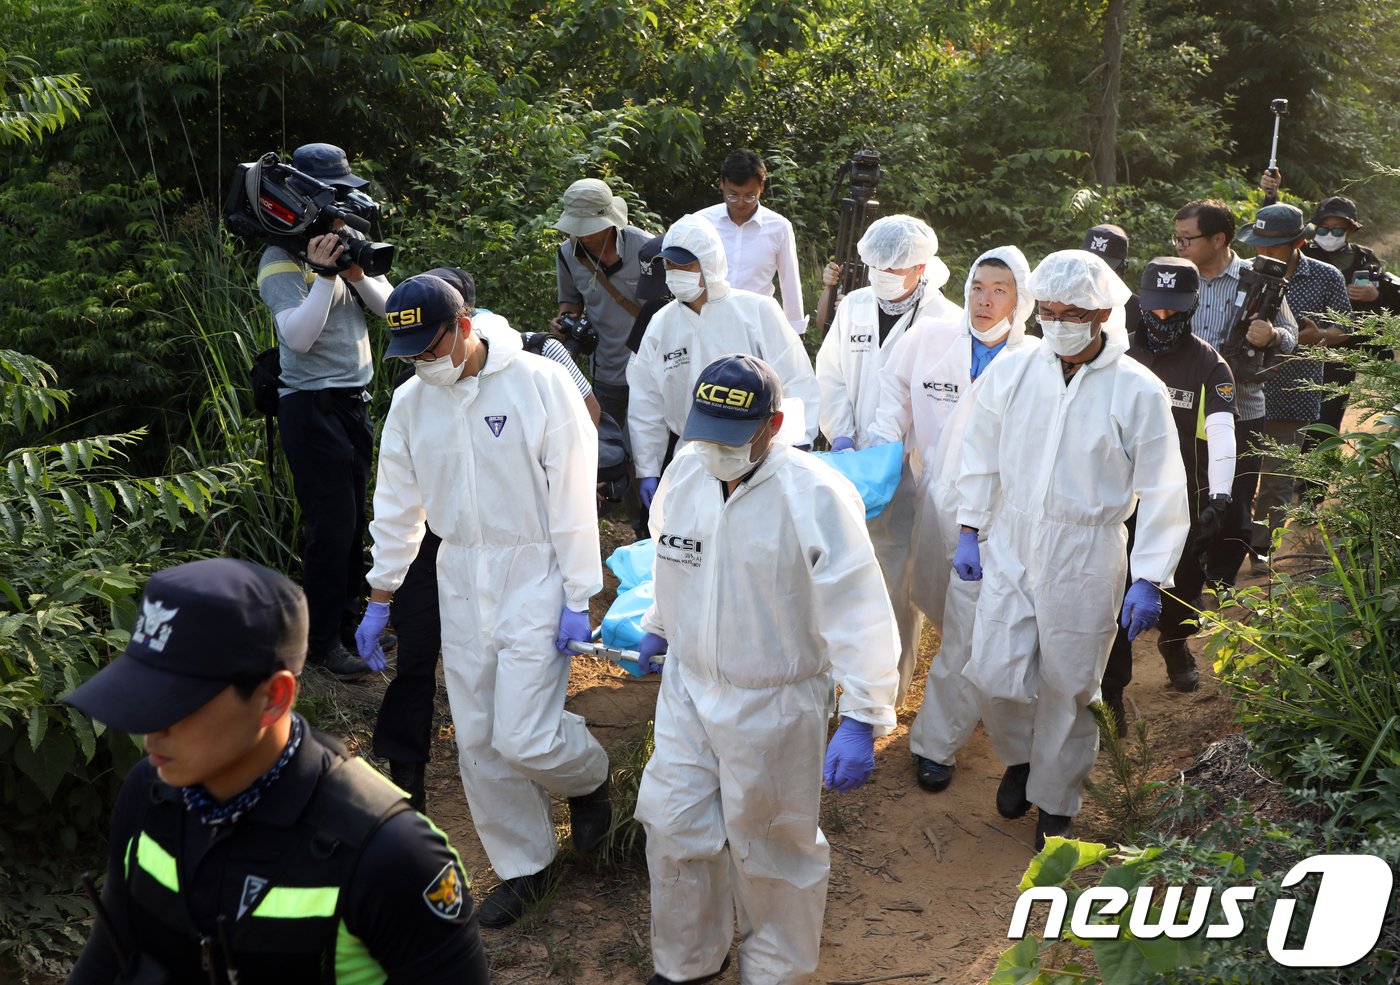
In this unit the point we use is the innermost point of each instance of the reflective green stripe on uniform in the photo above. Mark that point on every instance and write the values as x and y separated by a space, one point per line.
353 963
285 267
157 863
1201 415
298 902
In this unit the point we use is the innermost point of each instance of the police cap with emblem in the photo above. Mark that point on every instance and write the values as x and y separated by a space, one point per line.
416 311
200 627
734 395
1170 284
1111 243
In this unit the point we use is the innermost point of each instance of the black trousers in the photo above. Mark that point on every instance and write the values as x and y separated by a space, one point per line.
328 441
1224 557
1188 581
403 732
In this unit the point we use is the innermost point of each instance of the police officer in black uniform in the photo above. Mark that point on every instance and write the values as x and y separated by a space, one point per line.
1202 392
247 846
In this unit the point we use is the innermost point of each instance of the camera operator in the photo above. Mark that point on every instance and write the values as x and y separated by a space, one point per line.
326 434
1204 229
597 269
1314 290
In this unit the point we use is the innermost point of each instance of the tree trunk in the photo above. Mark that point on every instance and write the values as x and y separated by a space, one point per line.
1106 153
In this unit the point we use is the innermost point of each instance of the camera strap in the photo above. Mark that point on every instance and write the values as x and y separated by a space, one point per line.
627 304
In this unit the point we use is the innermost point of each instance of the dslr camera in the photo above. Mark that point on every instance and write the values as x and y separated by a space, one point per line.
579 335
272 202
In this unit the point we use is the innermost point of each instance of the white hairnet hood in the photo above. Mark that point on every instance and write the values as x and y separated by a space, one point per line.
1080 278
699 236
1025 300
899 241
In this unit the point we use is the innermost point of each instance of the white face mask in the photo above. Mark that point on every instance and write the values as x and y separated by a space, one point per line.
440 371
993 335
725 462
1330 240
686 285
1066 338
888 286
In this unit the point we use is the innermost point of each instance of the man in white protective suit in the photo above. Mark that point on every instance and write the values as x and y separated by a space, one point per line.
905 279
767 589
1062 441
495 451
927 388
707 319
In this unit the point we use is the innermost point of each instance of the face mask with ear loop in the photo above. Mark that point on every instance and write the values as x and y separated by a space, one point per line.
440 371
725 462
1066 338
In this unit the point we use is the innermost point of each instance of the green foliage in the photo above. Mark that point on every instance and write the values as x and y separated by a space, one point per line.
78 534
1131 801
32 105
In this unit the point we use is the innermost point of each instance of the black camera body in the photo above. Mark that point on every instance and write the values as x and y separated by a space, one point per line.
272 202
580 337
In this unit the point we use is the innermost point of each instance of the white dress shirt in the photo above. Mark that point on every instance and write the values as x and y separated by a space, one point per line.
761 247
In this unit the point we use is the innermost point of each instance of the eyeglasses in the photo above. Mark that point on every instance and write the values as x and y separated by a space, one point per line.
427 353
734 198
1182 242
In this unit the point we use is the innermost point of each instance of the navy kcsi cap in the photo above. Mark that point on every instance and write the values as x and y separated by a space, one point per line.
200 627
733 397
416 311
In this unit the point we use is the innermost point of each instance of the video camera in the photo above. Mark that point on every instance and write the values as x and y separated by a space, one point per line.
272 202
1260 295
858 209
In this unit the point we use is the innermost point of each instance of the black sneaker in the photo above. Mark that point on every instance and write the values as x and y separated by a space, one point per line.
590 817
1011 794
1050 825
932 776
660 979
408 777
340 663
1181 666
1113 700
508 901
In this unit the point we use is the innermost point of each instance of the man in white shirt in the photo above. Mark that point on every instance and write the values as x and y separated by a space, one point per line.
758 242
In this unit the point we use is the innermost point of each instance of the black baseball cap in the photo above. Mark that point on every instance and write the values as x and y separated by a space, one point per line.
1338 206
734 395
1273 225
1171 283
464 282
327 162
652 284
416 310
1110 242
201 627
677 254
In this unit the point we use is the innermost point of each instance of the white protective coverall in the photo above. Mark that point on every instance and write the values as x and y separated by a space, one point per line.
503 466
1063 466
764 599
926 401
848 370
679 343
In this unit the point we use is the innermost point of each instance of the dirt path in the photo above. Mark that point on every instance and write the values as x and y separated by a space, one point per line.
896 903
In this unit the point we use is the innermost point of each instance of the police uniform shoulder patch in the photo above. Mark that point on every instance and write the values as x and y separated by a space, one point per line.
1226 391
444 894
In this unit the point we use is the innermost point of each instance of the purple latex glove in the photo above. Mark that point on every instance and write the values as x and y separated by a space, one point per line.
367 635
650 646
1142 607
646 490
850 756
572 626
842 443
967 559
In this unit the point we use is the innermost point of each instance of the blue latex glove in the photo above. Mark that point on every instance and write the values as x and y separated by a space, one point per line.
572 626
650 646
842 443
646 489
850 756
1142 607
367 635
967 559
